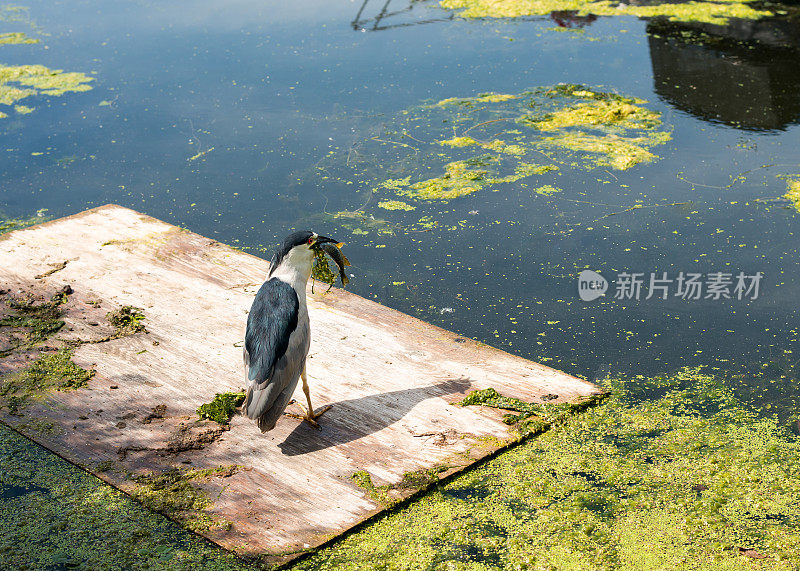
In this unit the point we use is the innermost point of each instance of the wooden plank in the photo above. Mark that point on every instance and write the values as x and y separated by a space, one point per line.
391 378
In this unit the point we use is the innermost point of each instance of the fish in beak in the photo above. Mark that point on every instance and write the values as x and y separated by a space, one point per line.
332 248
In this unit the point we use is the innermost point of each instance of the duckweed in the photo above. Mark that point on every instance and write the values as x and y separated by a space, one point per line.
669 472
55 515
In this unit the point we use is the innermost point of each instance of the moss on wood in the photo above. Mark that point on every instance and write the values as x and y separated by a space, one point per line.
51 371
127 320
173 494
222 408
35 321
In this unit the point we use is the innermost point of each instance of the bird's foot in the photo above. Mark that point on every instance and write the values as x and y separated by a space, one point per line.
310 417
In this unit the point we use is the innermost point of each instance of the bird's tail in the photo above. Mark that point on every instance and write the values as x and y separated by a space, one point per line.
266 415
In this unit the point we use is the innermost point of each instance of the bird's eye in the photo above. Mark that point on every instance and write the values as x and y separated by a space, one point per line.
310 240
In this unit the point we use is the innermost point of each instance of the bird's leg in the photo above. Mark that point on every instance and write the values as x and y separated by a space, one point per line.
310 416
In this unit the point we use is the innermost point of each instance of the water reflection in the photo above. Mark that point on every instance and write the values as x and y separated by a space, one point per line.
385 15
745 74
571 19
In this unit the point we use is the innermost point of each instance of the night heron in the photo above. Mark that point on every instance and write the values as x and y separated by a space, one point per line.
278 333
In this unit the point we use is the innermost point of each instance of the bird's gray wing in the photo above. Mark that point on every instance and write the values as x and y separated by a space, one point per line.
272 319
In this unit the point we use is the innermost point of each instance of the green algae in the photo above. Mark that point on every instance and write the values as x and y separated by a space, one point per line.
524 170
611 150
20 82
51 371
459 179
793 192
15 14
55 515
495 145
394 183
490 397
222 408
483 97
711 12
43 80
600 112
421 479
669 472
447 150
17 38
604 129
462 178
395 205
546 190
360 222
31 323
173 494
459 142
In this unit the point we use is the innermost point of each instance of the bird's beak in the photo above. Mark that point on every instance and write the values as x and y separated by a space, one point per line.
325 239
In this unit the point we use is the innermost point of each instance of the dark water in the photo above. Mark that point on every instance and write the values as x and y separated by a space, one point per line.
262 91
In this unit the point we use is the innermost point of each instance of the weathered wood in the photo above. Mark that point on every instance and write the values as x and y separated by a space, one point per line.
391 378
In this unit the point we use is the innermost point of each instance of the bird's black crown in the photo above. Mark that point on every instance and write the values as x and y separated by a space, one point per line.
292 240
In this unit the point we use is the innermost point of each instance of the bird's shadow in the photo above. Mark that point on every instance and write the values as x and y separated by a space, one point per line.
352 419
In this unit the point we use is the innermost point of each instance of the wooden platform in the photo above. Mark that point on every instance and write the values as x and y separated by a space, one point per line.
392 380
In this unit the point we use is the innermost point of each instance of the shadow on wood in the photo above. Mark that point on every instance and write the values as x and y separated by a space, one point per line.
356 418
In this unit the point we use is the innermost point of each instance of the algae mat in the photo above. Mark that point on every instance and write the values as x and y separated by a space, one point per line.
154 317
